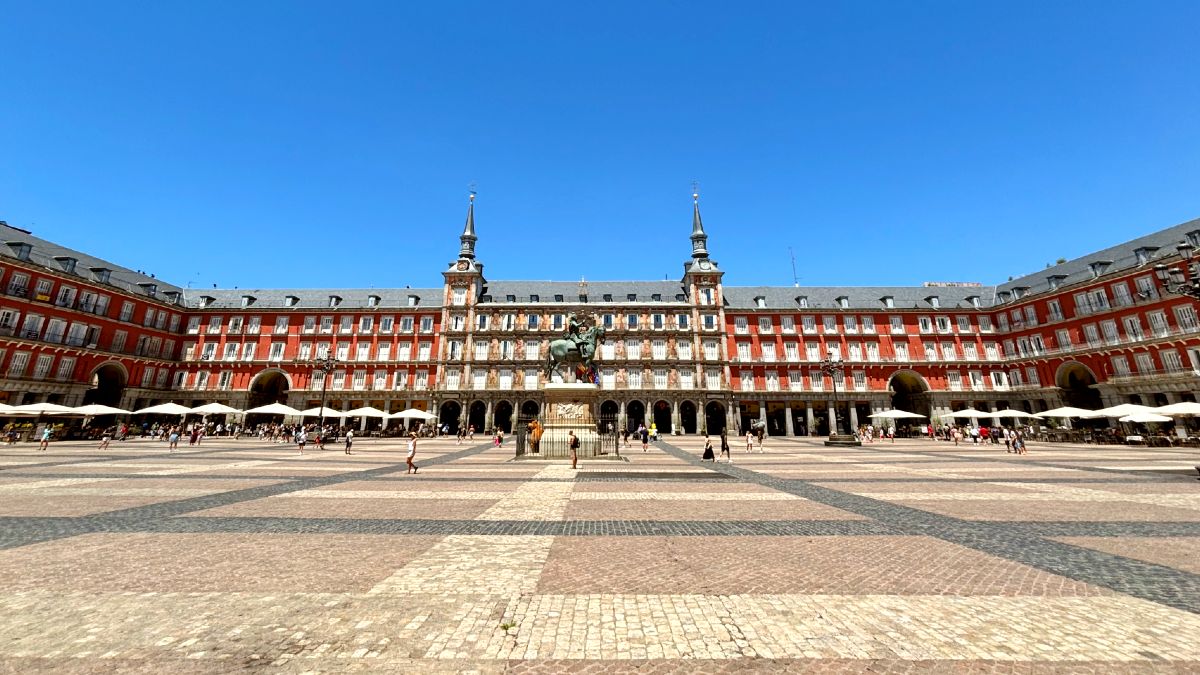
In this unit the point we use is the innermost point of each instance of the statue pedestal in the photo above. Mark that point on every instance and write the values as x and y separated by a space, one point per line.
570 407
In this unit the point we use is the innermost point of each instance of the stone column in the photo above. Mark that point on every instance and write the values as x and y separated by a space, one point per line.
788 427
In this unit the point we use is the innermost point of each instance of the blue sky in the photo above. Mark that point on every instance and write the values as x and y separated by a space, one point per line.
293 144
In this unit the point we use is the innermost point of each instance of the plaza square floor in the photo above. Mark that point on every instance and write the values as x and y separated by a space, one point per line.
913 556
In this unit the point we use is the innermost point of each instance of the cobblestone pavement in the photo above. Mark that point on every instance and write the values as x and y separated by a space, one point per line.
893 558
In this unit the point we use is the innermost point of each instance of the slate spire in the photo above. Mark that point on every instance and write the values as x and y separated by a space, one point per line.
468 238
699 238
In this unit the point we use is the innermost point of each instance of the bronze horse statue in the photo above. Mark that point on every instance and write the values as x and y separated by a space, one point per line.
579 350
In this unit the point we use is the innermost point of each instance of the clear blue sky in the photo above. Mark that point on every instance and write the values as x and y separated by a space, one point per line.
304 144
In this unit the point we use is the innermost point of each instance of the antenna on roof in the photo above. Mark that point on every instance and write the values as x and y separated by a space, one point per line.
795 279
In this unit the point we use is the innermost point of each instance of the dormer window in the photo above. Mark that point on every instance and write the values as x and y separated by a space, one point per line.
290 301
1143 254
372 301
760 302
247 300
934 301
534 297
206 300
335 300
888 301
149 288
1099 267
843 301
802 301
101 274
20 249
414 300
66 262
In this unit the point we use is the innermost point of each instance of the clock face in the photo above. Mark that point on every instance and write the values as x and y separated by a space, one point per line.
463 265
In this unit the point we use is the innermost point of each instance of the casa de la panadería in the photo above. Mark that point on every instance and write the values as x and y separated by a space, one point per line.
693 355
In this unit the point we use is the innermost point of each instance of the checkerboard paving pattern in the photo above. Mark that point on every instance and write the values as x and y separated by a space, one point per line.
907 557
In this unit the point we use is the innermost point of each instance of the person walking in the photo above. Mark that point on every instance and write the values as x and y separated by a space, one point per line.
708 451
573 444
412 452
45 444
349 440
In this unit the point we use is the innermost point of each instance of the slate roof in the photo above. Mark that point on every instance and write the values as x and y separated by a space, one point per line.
314 298
643 291
857 297
1121 257
46 253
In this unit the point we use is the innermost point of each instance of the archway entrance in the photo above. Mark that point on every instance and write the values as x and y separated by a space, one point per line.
910 393
1076 382
270 386
635 415
503 416
478 417
449 414
662 417
714 418
687 417
108 384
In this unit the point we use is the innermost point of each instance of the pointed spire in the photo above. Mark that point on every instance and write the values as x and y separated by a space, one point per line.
468 238
699 238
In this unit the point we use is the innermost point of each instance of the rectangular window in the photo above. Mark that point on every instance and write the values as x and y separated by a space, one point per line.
66 366
712 378
683 349
687 380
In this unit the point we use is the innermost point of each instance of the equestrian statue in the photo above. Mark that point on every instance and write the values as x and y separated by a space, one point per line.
577 347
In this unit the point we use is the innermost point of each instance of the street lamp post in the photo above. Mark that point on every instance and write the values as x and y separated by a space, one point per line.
1181 281
326 364
834 369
